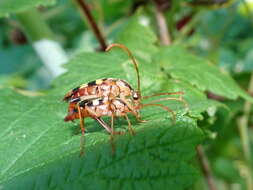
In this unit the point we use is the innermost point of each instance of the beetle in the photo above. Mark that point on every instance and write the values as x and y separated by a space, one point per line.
107 87
116 107
101 97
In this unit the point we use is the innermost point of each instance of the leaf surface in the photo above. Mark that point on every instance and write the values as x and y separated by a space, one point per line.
12 6
42 152
182 65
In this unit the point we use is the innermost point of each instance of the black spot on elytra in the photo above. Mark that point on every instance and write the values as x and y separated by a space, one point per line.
100 101
92 83
121 101
75 100
82 103
75 89
126 84
90 104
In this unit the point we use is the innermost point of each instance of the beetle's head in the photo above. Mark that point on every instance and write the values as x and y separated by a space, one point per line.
136 97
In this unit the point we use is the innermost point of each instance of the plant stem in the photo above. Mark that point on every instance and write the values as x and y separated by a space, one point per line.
84 8
243 129
34 26
243 124
183 33
162 26
42 39
205 167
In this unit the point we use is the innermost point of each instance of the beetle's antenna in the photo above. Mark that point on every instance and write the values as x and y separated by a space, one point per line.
133 59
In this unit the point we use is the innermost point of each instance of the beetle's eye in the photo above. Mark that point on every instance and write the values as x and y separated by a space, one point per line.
135 96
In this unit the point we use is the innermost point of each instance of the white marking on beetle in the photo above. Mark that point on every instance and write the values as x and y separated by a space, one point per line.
84 85
95 102
99 81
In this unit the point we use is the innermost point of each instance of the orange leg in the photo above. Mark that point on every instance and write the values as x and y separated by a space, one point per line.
140 120
83 131
112 134
180 99
162 106
104 124
133 110
164 93
112 123
81 120
129 125
110 130
98 119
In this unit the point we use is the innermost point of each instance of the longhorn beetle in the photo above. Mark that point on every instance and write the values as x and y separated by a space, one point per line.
111 97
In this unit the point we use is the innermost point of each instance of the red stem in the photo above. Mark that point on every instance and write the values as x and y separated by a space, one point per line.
205 168
86 11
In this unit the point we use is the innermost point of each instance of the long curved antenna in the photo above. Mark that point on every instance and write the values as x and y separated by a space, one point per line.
133 60
83 131
129 125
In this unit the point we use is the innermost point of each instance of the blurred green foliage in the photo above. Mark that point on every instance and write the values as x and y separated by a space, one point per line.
208 37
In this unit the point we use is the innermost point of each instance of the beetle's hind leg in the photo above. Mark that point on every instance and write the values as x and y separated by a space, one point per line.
82 140
180 98
162 106
109 129
81 120
130 128
112 134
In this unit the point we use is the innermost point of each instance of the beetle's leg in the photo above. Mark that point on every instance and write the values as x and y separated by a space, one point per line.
130 106
81 120
112 134
101 122
83 130
133 110
110 130
162 106
163 93
180 99
138 118
112 123
98 119
105 125
129 125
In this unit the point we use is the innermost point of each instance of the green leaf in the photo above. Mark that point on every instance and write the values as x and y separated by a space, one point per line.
182 65
41 151
12 6
87 67
19 59
139 38
196 99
